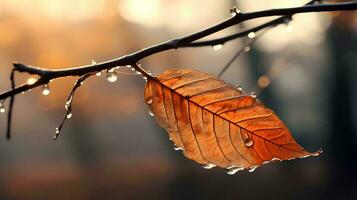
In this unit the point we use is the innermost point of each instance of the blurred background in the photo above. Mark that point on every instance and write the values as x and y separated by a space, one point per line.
112 149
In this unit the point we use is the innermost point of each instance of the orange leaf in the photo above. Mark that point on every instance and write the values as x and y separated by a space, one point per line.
215 124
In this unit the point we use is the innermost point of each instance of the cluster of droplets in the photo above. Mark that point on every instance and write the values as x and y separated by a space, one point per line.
234 11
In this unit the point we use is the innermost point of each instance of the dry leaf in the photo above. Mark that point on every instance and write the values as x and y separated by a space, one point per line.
215 124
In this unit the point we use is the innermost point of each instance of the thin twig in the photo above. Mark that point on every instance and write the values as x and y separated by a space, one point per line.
239 52
11 105
69 102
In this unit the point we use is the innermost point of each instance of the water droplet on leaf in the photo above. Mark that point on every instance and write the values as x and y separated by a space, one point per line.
248 142
151 113
209 166
252 168
233 170
149 101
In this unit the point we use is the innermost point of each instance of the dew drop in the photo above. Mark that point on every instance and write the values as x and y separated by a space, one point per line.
252 94
234 11
57 131
209 166
233 170
252 168
94 62
248 142
45 90
67 105
178 148
251 35
117 67
149 101
217 47
112 75
2 107
137 72
239 87
98 73
151 113
31 81
247 48
69 115
128 66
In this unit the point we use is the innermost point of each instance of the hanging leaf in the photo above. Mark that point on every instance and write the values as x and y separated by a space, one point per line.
216 124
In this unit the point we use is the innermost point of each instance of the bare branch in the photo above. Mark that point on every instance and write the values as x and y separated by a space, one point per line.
47 74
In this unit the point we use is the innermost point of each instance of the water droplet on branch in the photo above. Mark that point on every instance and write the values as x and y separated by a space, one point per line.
251 35
247 48
69 115
98 73
94 62
46 90
217 47
234 11
2 107
31 81
112 75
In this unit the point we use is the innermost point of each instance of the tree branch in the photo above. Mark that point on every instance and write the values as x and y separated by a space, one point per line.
131 59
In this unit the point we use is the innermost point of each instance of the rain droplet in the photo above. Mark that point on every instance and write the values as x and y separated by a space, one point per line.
233 170
128 66
67 105
247 48
217 47
151 113
251 35
149 101
31 81
239 87
98 73
57 131
137 72
112 75
2 107
252 94
235 10
46 90
178 148
209 166
69 115
248 142
117 67
94 62
252 168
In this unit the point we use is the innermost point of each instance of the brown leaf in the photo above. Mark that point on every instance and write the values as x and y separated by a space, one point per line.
215 124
